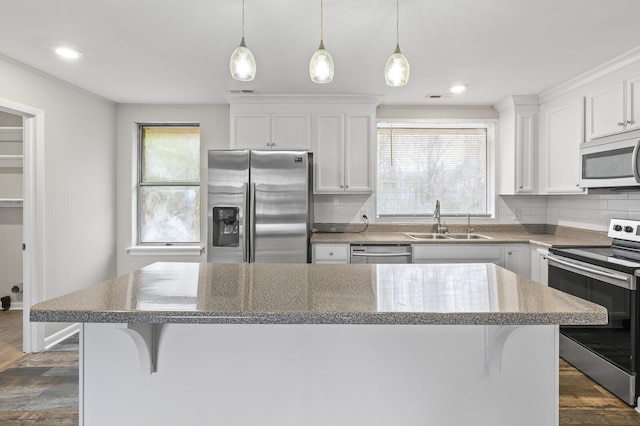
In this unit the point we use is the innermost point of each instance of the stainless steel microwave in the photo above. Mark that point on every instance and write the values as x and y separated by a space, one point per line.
611 162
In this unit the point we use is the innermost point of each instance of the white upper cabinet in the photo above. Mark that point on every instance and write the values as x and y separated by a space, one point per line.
517 145
338 129
344 153
281 131
633 103
562 133
613 108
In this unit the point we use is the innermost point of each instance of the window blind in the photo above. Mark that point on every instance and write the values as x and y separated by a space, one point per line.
417 166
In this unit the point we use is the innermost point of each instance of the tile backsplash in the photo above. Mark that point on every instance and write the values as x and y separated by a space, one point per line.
589 211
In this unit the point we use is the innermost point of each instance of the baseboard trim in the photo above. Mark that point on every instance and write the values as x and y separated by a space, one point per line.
16 306
61 335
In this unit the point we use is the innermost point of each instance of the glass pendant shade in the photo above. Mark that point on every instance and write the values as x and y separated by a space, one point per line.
396 73
242 64
321 66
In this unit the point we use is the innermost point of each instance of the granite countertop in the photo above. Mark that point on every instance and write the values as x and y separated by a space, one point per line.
499 234
199 293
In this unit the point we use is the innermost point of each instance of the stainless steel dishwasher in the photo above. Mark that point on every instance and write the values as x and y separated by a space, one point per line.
389 253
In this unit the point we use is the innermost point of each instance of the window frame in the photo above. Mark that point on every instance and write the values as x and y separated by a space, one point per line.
140 184
491 127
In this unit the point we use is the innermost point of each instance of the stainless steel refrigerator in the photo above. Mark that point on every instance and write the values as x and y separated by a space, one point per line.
260 206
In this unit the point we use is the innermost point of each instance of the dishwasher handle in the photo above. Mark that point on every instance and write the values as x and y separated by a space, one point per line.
355 253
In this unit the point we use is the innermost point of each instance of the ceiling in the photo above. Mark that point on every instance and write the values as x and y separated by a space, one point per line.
177 51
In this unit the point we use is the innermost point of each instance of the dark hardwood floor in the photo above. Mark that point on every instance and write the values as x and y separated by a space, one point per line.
42 389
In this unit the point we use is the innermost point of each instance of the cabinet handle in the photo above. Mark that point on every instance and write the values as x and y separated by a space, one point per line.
509 253
330 253
341 186
629 122
621 123
347 186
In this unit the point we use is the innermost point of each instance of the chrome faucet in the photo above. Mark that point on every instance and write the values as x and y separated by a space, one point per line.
436 214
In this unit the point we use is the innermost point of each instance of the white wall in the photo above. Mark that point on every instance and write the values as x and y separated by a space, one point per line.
214 134
79 176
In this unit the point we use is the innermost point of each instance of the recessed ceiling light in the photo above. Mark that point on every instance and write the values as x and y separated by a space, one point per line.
67 52
458 88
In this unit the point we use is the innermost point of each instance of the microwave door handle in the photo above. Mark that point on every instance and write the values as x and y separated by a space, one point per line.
634 162
585 269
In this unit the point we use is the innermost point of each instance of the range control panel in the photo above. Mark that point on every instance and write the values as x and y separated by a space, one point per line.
625 229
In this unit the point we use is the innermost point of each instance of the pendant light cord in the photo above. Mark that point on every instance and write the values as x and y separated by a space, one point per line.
321 22
243 19
397 21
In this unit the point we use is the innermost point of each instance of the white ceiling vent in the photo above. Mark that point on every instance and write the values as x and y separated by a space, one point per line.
242 91
438 95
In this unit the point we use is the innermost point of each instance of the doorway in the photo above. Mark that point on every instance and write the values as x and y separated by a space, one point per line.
29 200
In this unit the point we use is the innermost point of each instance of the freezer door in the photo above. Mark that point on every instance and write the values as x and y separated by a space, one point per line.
281 205
228 192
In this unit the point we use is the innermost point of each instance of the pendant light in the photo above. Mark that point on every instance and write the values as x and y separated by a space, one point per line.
321 65
242 64
396 73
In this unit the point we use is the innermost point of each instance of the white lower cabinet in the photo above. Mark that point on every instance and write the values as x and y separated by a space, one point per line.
539 265
330 253
516 258
457 253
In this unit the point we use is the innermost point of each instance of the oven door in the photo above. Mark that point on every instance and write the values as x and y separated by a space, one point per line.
606 353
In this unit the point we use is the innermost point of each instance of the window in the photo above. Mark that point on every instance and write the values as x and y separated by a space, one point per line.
417 166
169 184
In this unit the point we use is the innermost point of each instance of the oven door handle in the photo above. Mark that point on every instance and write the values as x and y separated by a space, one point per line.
617 277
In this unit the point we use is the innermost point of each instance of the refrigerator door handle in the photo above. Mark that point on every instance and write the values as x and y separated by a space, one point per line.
252 221
245 205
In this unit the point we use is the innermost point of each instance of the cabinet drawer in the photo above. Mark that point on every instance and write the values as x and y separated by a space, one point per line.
331 253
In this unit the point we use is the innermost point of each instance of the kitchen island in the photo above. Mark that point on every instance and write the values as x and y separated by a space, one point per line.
306 344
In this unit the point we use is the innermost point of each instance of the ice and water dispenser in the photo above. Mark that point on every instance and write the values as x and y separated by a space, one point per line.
226 226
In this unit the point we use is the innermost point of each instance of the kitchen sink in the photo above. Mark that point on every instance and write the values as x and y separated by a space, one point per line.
426 236
431 236
467 237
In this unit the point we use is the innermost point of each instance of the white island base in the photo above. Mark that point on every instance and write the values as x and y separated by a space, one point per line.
319 375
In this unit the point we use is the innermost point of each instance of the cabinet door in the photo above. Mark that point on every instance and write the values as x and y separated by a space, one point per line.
605 111
563 139
525 141
633 103
251 131
358 157
329 159
291 131
516 259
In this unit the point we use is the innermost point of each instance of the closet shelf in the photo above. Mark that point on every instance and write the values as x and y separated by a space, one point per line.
10 134
10 202
10 160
